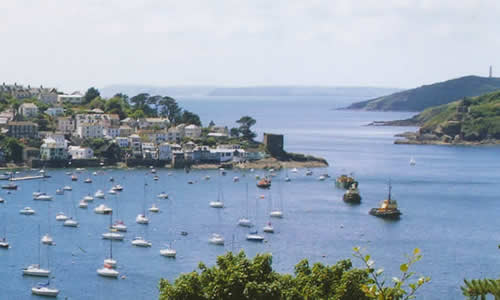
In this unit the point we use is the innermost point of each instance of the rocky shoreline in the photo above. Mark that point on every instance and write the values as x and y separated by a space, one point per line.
415 138
268 163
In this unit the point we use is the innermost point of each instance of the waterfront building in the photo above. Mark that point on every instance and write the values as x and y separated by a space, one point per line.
135 144
154 136
164 151
77 152
28 110
149 151
122 142
22 129
53 149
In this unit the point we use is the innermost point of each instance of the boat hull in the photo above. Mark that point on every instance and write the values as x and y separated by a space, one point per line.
386 214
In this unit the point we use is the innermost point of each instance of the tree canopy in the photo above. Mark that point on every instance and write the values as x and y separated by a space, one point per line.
91 94
246 122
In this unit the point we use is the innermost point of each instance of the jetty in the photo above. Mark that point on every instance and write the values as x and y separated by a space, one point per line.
29 177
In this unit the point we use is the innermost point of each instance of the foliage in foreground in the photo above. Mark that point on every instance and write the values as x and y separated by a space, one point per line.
236 277
480 288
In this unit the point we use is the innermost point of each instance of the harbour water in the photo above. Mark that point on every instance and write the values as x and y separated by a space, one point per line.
449 202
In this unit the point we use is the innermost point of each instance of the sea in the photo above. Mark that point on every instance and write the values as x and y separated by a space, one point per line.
449 201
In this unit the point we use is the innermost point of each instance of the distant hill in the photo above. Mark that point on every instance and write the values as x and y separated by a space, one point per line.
467 121
435 94
256 91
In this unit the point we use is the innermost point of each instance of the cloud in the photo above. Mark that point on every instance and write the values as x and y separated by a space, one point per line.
74 44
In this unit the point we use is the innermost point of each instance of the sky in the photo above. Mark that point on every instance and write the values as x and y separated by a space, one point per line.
391 43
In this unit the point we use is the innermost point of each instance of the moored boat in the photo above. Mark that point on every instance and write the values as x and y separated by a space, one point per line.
264 183
388 208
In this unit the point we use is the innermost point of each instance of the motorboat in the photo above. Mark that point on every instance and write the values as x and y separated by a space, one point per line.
88 198
168 252
88 180
162 195
2 200
83 204
140 242
112 192
47 240
36 194
10 186
67 188
119 226
112 236
35 270
309 173
254 237
70 223
154 208
108 271
156 178
388 208
276 214
264 183
142 219
74 178
236 179
3 243
216 239
245 222
111 179
118 188
99 194
103 209
59 192
43 197
44 290
27 211
268 228
322 178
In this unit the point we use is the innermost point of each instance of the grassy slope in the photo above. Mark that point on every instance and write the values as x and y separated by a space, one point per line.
432 95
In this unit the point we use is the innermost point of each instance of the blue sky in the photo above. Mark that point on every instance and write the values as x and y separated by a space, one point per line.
391 43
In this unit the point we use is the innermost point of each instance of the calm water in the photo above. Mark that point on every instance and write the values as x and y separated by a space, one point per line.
449 201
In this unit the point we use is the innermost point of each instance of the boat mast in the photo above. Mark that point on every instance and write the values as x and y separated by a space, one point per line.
39 259
247 200
390 188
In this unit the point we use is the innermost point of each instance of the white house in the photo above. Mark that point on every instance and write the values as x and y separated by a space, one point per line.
89 130
65 124
192 131
164 151
74 98
53 149
122 142
112 132
55 111
28 110
149 151
78 152
135 143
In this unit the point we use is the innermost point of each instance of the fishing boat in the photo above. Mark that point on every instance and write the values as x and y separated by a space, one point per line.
141 242
27 211
103 209
99 194
388 208
162 195
216 239
352 195
9 186
35 269
254 236
345 182
264 183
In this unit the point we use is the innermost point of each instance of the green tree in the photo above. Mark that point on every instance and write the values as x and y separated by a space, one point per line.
138 114
97 102
190 118
246 122
211 124
15 104
170 109
237 277
116 105
112 152
234 132
13 149
91 94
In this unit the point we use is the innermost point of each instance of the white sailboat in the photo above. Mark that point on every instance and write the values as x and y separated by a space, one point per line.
103 209
154 208
268 228
61 217
47 238
219 203
71 222
141 242
216 239
99 194
83 204
88 198
118 225
245 221
59 192
27 211
42 289
168 252
67 188
3 241
109 264
162 195
141 218
43 197
112 234
412 161
277 212
35 269
294 170
254 235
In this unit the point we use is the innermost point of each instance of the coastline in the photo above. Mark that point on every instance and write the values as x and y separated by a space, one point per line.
268 163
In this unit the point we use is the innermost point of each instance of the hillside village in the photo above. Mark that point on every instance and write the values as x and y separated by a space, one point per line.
43 127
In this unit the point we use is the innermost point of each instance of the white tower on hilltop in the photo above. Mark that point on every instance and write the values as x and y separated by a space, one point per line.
491 71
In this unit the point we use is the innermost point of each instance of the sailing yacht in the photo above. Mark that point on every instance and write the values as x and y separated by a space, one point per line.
70 222
3 241
141 218
412 162
109 264
112 234
254 236
67 188
35 269
103 209
42 289
277 212
119 226
168 252
88 198
268 228
219 203
43 197
245 221
162 195
27 211
47 239
61 217
83 204
154 208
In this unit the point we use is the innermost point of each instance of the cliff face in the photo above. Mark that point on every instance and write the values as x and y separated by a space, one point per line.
432 95
467 121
